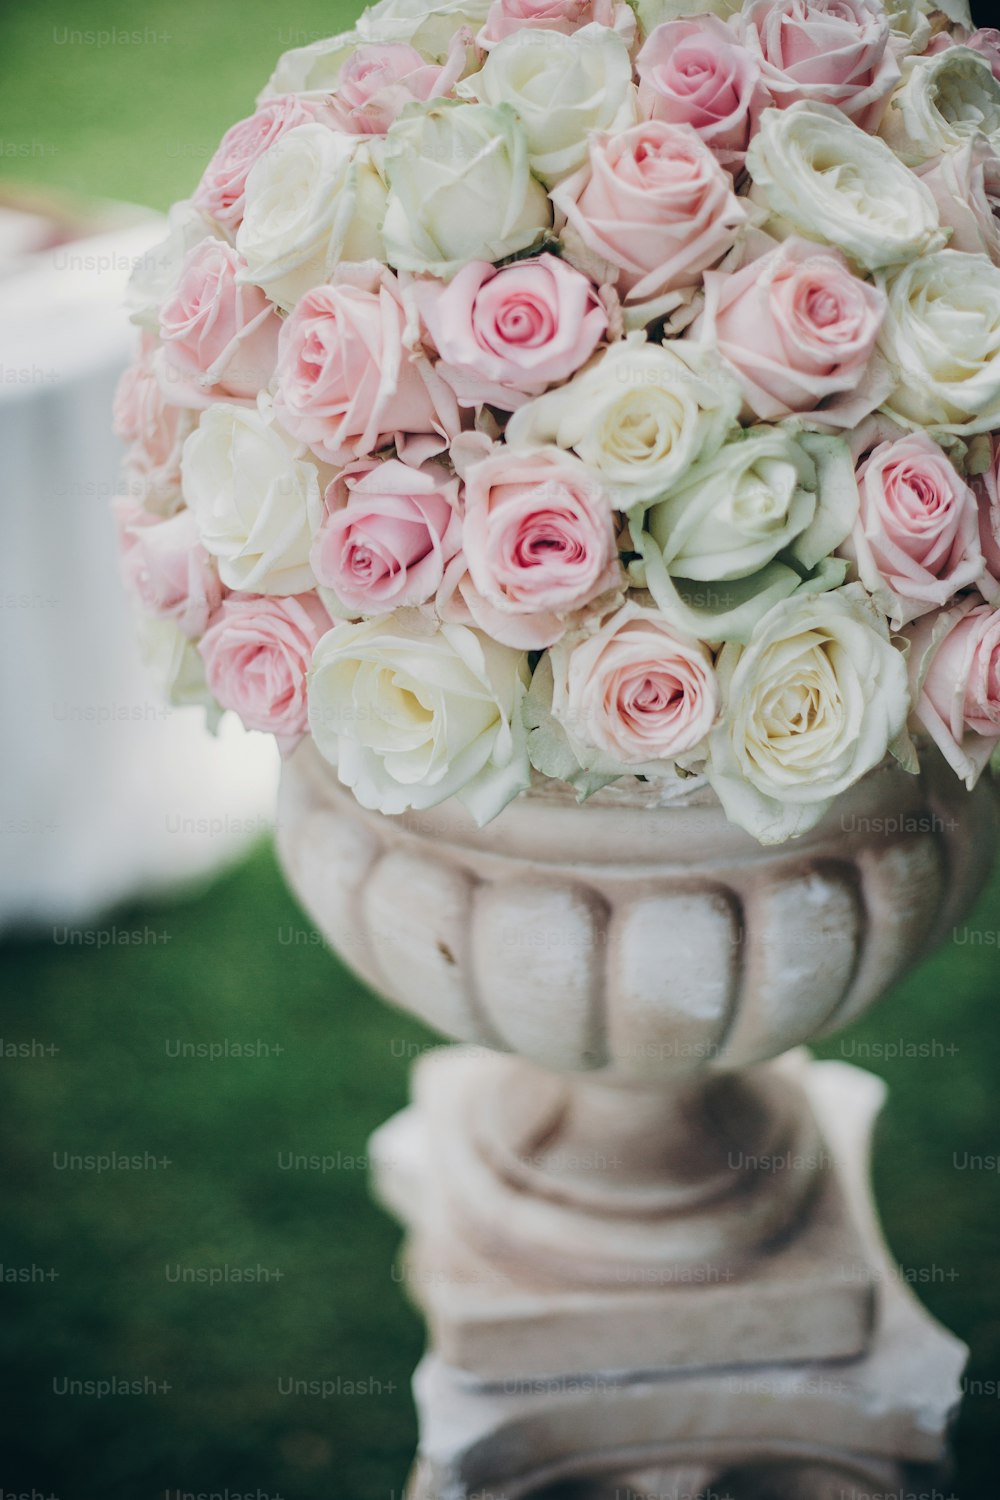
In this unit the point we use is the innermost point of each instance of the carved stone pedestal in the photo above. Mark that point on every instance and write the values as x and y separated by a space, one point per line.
814 1372
645 1284
645 1250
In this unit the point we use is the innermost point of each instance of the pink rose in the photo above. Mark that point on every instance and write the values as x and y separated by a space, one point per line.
504 335
954 664
654 203
165 567
966 188
220 338
221 193
257 652
825 51
698 73
987 41
347 383
916 539
565 16
380 79
986 488
795 327
154 431
387 535
538 542
636 689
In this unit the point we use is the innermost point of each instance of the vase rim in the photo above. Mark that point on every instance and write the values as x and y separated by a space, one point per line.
548 825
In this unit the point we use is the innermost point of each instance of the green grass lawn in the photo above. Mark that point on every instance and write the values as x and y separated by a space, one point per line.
218 968
106 1251
137 118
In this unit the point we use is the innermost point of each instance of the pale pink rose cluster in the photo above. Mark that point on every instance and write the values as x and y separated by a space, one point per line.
655 205
504 335
153 430
916 540
378 81
166 568
698 73
221 193
538 545
389 531
798 330
508 17
927 546
839 52
346 384
550 374
219 334
257 651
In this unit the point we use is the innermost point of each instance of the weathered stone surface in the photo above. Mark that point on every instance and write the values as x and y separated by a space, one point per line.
646 1250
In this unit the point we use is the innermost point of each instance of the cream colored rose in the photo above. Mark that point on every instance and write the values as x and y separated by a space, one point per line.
737 510
943 102
909 24
958 12
911 21
313 69
460 188
174 664
255 499
562 87
423 24
813 703
313 199
640 415
412 713
941 337
746 527
816 171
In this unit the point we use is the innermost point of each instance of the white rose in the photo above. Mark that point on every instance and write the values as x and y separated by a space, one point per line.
314 69
941 337
909 24
640 414
412 713
460 188
736 510
944 101
423 24
562 87
812 704
959 12
815 170
255 499
966 188
174 664
156 272
313 199
746 527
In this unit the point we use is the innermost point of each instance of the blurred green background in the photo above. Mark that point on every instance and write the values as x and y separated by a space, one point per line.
105 1252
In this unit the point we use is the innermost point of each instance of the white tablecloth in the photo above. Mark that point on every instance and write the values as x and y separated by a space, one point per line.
104 792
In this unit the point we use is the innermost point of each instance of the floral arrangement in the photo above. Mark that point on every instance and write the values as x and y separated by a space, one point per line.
554 387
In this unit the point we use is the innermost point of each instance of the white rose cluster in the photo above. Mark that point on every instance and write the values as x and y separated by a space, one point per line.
587 390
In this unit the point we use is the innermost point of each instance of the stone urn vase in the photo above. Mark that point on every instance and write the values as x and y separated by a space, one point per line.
639 1224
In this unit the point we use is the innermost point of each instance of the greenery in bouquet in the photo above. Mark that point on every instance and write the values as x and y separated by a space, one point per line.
557 388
